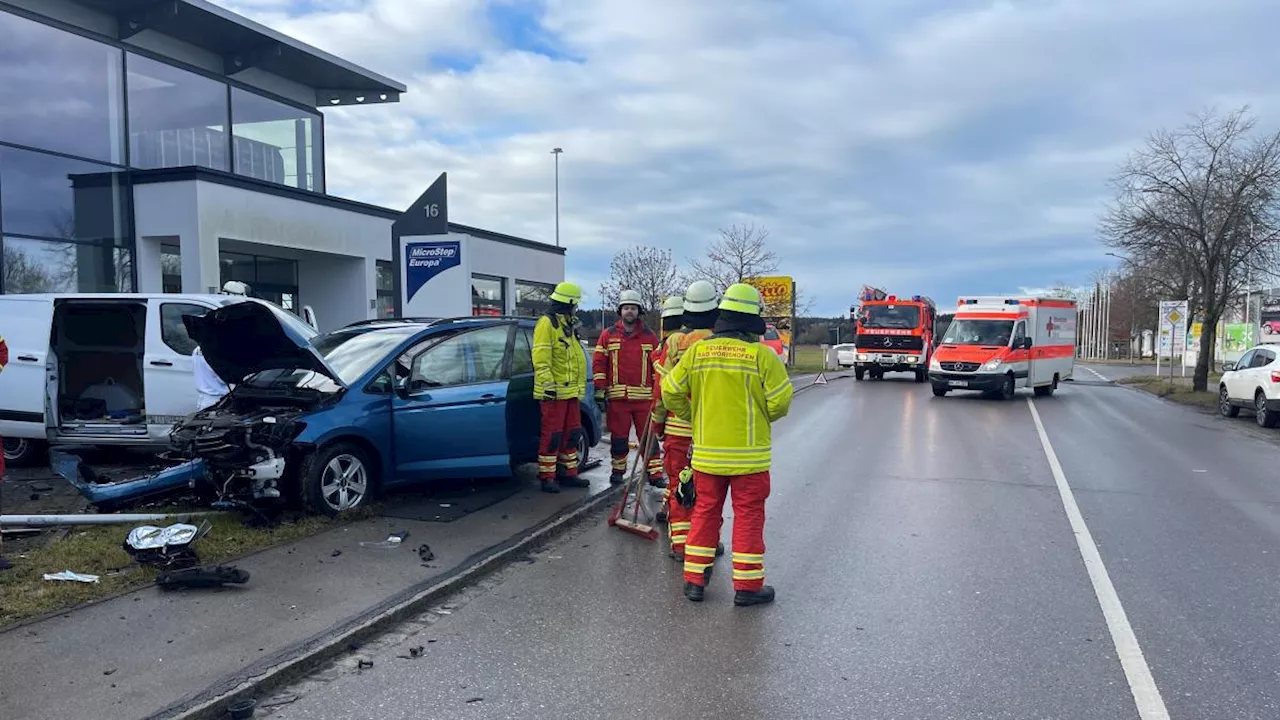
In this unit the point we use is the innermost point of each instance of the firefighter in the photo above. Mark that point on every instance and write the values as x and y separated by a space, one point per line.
699 313
672 314
731 441
559 378
623 377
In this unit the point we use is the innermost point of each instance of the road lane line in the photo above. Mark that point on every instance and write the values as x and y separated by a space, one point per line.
1145 693
1097 374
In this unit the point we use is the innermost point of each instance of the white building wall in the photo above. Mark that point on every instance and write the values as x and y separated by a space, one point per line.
513 262
170 210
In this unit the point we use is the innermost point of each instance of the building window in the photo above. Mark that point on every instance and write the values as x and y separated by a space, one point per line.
276 142
176 118
533 299
60 91
488 295
55 266
171 268
386 289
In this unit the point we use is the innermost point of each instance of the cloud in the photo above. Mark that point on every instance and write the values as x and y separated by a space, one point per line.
928 147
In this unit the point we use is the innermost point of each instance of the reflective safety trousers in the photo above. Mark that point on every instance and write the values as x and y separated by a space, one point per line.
559 361
730 390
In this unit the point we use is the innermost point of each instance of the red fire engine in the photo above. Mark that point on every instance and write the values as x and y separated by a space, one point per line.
893 334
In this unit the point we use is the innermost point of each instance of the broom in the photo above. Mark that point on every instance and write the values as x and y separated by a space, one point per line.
633 489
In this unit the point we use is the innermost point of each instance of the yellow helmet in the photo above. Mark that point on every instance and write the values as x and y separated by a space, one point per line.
567 292
742 298
673 306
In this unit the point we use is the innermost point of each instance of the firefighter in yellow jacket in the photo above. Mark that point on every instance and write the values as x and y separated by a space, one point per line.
559 380
732 441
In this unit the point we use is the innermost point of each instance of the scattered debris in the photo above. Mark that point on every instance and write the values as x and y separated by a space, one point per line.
280 700
430 641
425 554
242 709
506 517
202 577
111 671
364 664
475 700
393 540
41 487
416 651
35 497
71 576
446 505
335 553
442 611
168 547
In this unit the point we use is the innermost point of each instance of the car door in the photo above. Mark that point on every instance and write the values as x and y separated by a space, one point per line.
25 325
1020 357
449 418
1259 372
168 377
1237 379
524 414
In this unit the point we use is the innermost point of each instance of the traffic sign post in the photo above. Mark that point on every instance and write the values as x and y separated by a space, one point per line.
1173 333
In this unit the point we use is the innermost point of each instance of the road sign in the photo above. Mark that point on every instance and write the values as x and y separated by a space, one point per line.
821 379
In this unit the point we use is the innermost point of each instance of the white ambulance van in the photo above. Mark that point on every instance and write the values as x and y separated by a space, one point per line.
996 345
98 370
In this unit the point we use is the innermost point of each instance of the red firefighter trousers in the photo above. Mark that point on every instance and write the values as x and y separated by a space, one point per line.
675 457
561 428
749 493
621 417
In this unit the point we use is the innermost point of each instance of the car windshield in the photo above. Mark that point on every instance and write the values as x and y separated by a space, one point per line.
979 332
891 316
350 353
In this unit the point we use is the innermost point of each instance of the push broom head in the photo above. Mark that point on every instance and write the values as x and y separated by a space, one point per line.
645 531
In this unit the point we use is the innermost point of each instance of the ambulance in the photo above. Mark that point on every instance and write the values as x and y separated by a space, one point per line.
996 345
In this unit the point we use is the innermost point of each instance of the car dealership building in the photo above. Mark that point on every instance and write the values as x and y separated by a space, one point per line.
172 145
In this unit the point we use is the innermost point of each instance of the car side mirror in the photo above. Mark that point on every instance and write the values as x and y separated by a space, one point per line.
1228 366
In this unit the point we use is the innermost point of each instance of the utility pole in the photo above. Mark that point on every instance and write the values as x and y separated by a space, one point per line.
556 152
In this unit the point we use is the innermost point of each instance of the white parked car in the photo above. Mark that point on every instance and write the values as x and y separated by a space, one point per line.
846 355
1253 383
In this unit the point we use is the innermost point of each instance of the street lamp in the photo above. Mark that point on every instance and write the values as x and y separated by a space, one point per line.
556 152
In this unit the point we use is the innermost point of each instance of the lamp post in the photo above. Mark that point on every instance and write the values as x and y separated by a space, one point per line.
556 152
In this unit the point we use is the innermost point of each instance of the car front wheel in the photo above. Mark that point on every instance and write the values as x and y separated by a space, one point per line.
584 447
22 452
1224 404
337 479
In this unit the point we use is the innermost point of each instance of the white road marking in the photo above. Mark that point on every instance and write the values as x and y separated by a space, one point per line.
1097 374
1145 693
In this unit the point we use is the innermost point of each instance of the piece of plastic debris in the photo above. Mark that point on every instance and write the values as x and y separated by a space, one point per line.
335 553
71 576
109 672
364 663
446 505
416 651
444 612
425 554
393 540
475 700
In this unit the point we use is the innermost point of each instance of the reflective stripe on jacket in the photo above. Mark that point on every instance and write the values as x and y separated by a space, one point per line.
675 349
731 391
559 362
623 362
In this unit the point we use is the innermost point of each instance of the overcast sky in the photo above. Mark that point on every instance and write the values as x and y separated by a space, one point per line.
928 146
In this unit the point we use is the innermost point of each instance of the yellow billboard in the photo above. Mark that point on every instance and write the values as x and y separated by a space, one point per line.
778 294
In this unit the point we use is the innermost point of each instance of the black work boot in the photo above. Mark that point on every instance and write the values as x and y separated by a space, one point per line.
744 598
573 481
550 486
694 591
616 477
658 481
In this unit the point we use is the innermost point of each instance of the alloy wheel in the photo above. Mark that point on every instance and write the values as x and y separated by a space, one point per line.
345 482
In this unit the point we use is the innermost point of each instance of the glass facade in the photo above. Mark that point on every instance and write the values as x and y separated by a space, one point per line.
76 114
533 299
386 289
488 295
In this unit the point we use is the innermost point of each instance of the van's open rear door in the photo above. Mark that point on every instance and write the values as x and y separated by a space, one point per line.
26 326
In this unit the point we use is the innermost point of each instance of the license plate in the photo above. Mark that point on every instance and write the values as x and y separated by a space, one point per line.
890 360
958 383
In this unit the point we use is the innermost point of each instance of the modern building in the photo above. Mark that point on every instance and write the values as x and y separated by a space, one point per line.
170 146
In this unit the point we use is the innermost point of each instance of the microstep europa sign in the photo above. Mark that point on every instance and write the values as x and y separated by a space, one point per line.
425 260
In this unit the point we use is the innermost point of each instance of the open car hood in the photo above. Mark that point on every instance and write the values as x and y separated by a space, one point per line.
244 338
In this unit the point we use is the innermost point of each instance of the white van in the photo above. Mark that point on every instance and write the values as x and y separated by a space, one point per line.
109 369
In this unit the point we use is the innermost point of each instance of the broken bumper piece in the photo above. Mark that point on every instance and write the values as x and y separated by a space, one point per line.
121 492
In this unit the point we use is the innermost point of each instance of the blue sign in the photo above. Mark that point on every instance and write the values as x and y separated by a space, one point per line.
423 261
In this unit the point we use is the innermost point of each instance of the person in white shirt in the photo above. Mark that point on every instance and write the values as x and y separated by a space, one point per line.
209 387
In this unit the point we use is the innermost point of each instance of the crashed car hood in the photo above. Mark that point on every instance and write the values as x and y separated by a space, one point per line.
244 338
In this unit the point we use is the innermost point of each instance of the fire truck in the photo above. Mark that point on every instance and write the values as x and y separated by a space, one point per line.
893 334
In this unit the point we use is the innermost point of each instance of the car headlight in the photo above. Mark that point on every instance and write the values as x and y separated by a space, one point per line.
934 364
862 356
992 364
912 359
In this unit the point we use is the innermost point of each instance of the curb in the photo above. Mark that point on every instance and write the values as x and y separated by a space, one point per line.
296 662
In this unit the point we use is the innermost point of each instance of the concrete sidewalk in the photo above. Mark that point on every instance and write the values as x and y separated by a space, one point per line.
149 653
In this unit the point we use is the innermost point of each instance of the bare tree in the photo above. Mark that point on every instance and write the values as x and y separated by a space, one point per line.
648 270
1198 204
24 275
741 252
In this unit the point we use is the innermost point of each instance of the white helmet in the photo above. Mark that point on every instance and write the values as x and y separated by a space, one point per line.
700 297
630 297
235 287
673 306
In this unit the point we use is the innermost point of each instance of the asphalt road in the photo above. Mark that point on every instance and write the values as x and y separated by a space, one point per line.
927 566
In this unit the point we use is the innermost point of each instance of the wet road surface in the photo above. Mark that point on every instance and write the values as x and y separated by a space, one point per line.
926 566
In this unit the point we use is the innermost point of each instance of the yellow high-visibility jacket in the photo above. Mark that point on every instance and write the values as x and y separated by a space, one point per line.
559 361
675 348
730 390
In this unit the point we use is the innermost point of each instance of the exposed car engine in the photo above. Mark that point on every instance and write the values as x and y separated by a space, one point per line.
244 443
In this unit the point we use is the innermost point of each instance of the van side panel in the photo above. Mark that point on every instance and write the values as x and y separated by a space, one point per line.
27 323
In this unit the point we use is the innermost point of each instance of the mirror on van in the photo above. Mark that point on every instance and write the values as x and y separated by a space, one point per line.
309 315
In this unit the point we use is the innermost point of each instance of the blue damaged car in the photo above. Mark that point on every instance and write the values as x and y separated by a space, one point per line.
334 419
